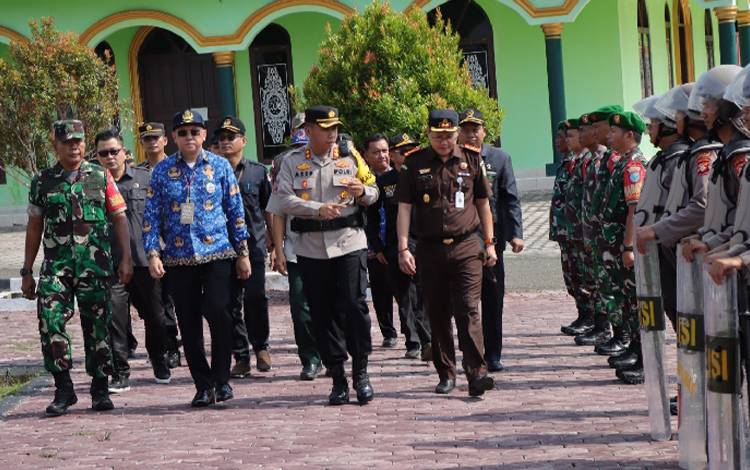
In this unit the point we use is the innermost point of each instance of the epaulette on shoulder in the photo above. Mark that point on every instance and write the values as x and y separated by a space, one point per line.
472 148
412 150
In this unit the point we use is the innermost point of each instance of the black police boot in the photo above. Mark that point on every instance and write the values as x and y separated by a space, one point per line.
65 395
583 324
634 374
617 345
674 406
599 334
100 395
340 391
361 381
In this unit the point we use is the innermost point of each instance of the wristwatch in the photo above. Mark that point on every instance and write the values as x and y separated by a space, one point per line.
490 241
26 272
627 248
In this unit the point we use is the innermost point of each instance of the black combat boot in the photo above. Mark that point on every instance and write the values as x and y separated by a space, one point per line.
65 395
617 345
583 324
627 358
361 381
634 374
340 391
100 395
599 334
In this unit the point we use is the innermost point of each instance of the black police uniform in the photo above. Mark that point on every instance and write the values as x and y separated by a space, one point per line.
143 291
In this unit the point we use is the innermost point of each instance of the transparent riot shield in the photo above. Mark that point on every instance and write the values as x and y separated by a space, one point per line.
651 313
691 362
723 414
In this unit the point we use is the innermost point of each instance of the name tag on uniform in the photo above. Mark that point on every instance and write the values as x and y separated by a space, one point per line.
187 213
342 180
459 199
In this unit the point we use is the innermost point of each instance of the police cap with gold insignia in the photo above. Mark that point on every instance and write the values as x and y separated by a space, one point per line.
230 124
324 116
400 141
68 129
443 120
151 129
603 113
471 116
187 118
629 121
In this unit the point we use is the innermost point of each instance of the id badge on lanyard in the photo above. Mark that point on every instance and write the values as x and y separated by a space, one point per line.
187 208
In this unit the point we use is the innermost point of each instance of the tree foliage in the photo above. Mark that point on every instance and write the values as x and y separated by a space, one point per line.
385 70
50 77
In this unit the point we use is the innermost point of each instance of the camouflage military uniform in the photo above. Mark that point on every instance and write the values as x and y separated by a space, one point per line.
573 208
77 262
558 224
594 183
623 188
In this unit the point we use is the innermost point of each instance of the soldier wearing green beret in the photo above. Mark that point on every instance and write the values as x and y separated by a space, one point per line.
627 173
598 331
69 205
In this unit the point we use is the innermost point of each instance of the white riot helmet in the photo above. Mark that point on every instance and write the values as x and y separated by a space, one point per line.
647 109
738 92
711 86
675 101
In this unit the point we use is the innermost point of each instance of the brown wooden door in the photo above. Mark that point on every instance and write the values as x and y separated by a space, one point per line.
173 77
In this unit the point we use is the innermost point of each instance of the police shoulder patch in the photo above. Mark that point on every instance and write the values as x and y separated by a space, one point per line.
703 163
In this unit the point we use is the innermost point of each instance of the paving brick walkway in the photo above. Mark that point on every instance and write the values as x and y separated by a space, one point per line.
556 406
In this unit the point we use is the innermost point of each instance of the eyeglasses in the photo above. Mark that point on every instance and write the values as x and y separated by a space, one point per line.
227 137
184 132
112 152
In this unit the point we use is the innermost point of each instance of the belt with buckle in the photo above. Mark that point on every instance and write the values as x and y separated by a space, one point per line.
447 241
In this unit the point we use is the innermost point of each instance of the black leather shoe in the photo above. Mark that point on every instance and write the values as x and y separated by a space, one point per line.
63 400
173 359
632 376
580 326
593 337
613 347
673 406
623 361
310 371
224 392
389 342
364 390
339 393
203 398
445 386
495 365
479 385
100 395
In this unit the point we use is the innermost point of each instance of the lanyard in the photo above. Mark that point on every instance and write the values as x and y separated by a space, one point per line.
189 182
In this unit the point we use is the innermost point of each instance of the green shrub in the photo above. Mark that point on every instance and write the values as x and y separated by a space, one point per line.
385 70
52 76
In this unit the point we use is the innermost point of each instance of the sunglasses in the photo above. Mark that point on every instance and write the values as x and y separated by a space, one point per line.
108 152
184 132
228 137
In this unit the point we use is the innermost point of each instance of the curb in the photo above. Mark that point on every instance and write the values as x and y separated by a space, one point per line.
32 388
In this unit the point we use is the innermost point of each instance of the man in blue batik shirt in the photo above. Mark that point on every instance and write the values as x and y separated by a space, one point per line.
194 207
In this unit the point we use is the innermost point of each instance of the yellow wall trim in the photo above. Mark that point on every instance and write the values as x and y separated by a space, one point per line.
684 6
234 39
743 18
527 6
12 35
552 30
725 14
135 86
223 58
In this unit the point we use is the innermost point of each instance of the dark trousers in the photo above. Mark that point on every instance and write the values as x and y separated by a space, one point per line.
493 291
335 289
144 292
203 291
382 297
668 278
452 283
249 308
307 347
169 314
408 293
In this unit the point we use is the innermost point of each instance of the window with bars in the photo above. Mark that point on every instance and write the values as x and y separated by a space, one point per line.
670 57
709 29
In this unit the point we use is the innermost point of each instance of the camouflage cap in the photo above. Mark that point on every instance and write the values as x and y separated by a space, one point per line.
629 121
68 129
603 113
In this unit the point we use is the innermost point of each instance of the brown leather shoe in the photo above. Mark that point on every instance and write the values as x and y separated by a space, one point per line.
263 360
240 370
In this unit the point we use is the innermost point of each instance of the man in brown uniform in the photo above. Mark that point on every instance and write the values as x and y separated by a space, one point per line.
447 184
